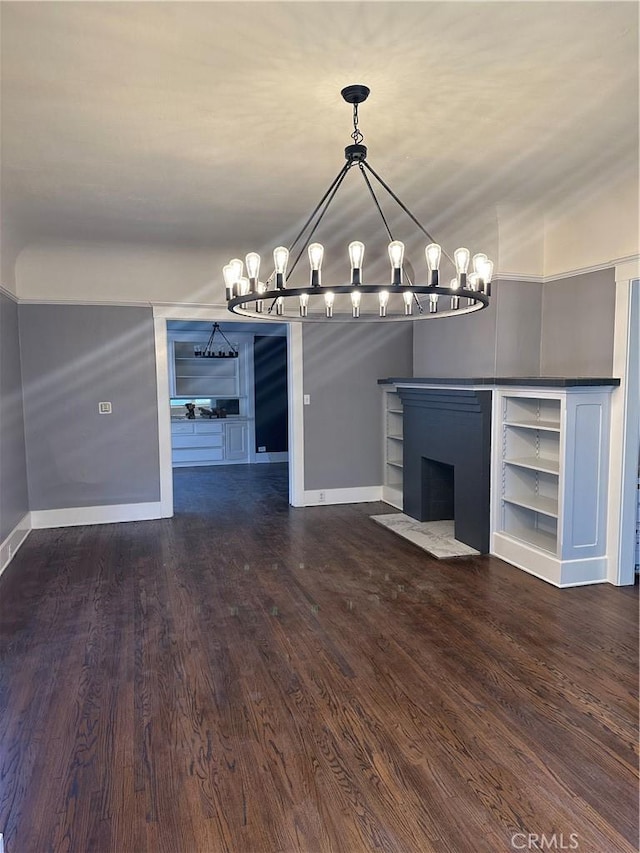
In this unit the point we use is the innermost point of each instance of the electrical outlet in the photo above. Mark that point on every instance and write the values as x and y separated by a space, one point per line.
104 408
306 399
262 450
323 497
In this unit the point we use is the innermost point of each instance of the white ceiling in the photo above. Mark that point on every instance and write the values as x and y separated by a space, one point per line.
221 124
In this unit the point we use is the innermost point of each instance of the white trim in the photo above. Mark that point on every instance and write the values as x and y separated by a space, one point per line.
631 261
625 427
614 263
518 277
271 456
112 514
168 311
628 269
354 495
296 415
197 311
164 416
9 548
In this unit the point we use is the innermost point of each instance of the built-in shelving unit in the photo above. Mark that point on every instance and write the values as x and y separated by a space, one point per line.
393 447
203 377
549 460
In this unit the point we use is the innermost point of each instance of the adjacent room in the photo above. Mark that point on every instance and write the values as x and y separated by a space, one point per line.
319 427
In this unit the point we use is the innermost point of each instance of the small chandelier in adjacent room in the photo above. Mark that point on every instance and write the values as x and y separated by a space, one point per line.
219 350
399 298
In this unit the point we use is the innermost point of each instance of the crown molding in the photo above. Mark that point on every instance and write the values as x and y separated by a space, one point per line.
8 293
519 277
593 268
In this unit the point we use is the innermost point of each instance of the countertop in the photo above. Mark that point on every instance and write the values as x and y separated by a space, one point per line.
180 418
527 381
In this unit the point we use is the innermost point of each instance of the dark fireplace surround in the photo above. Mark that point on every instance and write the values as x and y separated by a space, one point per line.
448 427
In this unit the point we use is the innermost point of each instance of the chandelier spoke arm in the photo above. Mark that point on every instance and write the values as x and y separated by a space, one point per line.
329 196
405 208
326 199
386 225
338 177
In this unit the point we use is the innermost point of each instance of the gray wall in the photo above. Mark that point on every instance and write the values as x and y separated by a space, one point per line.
518 328
501 339
343 424
74 357
14 501
577 325
456 346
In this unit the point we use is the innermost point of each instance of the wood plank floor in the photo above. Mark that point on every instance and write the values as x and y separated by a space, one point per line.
251 678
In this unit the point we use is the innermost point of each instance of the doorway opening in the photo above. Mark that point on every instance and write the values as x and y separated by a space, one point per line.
231 415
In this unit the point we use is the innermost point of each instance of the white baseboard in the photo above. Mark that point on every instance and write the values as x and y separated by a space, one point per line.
14 540
356 495
76 516
280 456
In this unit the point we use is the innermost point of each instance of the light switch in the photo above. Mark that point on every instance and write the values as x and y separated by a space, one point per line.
104 408
306 399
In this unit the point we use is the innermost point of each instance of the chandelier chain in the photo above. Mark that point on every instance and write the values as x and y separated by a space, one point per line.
357 134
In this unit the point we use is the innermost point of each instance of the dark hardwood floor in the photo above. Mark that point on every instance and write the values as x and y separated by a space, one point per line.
251 678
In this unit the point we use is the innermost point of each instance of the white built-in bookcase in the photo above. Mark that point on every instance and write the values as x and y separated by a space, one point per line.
393 446
550 457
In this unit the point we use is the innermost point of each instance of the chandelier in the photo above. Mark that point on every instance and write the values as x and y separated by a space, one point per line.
213 350
399 298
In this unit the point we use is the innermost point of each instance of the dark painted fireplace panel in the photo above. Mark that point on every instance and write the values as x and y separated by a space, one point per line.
451 427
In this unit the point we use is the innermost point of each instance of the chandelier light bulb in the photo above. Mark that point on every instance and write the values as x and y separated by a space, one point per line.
473 280
328 301
279 306
487 276
408 302
461 258
280 260
432 254
260 288
252 262
355 303
396 256
356 256
229 273
455 300
383 298
478 261
316 253
433 303
237 266
304 302
243 286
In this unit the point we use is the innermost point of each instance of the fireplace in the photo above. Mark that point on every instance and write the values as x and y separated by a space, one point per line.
438 488
447 460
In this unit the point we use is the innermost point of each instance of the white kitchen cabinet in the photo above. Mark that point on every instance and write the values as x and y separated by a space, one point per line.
209 442
235 446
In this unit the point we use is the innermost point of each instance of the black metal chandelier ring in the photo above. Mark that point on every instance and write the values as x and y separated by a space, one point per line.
269 304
